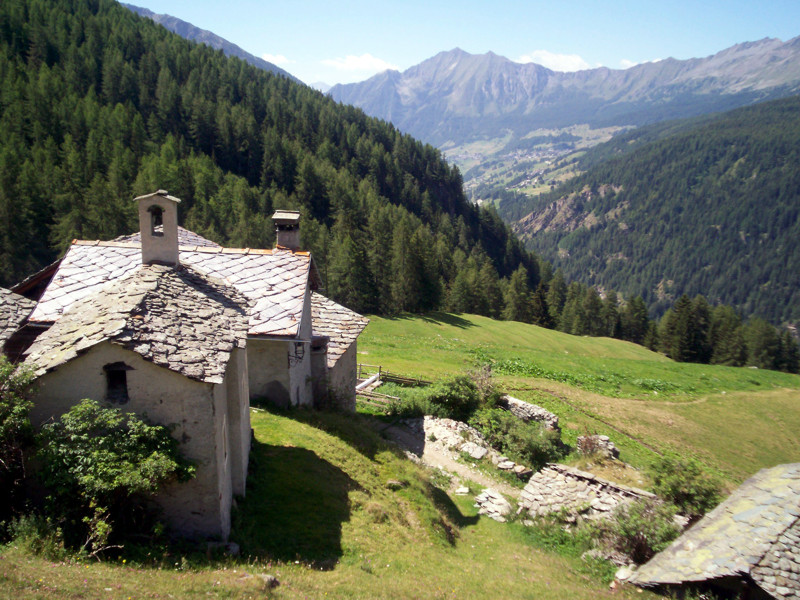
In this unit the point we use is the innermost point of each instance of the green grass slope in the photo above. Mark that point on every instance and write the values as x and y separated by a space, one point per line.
319 516
736 420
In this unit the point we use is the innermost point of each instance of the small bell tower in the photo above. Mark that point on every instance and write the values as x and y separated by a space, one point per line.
158 227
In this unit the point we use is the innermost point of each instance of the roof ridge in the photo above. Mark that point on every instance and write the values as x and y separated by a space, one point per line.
203 249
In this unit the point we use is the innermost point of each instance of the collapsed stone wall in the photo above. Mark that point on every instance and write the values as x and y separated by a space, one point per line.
529 412
560 488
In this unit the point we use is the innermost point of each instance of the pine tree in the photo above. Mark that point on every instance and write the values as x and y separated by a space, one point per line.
634 320
556 296
790 354
517 298
611 317
763 344
727 341
540 314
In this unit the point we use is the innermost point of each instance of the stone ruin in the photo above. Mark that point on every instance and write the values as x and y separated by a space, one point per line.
559 488
529 412
597 445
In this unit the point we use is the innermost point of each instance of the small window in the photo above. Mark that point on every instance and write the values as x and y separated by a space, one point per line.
117 382
156 220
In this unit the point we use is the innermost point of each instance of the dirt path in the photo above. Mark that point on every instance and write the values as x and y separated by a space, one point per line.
434 454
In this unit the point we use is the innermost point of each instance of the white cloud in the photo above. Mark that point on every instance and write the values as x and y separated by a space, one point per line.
556 62
276 59
627 64
365 63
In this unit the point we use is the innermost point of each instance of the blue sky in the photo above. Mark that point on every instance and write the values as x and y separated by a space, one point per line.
351 40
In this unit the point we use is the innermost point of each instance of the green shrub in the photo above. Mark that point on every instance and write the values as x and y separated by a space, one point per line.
528 443
687 485
37 535
16 434
639 529
413 402
456 398
100 465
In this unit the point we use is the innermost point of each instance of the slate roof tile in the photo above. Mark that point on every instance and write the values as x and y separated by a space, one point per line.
277 311
149 312
341 325
14 309
749 534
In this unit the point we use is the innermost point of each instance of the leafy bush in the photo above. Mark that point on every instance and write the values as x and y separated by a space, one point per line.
100 465
639 530
529 443
16 433
413 402
456 398
686 484
37 535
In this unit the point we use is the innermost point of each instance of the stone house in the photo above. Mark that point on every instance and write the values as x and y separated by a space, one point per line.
168 324
278 284
747 547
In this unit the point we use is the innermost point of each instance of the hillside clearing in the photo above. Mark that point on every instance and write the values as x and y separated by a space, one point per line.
318 515
736 420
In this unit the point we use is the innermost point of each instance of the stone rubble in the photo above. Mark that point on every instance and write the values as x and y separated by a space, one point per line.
455 437
493 505
529 412
600 445
560 488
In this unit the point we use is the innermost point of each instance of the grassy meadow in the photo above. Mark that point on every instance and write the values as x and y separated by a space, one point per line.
735 420
319 516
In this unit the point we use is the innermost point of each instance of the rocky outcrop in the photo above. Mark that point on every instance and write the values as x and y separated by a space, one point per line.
559 488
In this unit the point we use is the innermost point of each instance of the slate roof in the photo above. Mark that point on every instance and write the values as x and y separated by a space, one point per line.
755 533
341 325
13 311
174 317
274 281
185 238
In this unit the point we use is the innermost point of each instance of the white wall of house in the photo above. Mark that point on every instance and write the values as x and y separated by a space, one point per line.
342 379
300 369
199 507
239 418
267 362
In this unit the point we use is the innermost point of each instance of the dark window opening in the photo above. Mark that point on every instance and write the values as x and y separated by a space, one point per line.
156 220
117 382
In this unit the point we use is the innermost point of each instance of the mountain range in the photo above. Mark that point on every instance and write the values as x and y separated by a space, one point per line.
190 32
456 98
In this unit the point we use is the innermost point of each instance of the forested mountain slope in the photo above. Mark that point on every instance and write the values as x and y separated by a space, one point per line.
709 207
98 105
203 36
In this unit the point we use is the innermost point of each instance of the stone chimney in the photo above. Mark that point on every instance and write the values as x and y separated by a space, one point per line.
287 229
158 227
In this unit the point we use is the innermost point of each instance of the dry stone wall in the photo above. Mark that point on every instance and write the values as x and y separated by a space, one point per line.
560 488
529 412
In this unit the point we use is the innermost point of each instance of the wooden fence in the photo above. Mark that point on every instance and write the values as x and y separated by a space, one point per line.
365 371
